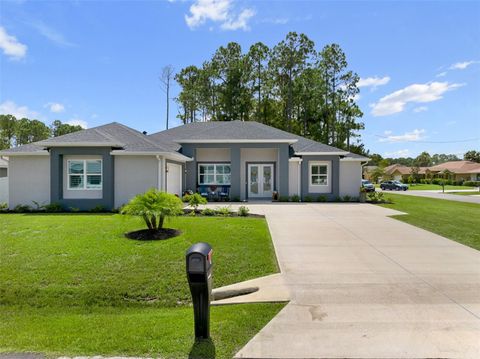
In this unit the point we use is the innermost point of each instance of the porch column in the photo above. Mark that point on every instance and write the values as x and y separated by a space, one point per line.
283 157
235 164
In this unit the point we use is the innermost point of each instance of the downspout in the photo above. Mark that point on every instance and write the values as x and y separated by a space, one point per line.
161 174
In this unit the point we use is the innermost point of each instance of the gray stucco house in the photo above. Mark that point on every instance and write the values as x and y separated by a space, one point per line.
109 164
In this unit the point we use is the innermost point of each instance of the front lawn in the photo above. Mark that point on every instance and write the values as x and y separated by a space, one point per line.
466 193
73 285
458 221
429 187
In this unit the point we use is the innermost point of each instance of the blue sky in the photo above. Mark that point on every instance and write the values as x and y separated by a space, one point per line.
94 62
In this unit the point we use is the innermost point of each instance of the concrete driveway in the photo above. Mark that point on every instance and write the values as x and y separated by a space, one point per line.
363 285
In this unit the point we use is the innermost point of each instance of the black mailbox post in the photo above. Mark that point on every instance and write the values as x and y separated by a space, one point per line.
199 274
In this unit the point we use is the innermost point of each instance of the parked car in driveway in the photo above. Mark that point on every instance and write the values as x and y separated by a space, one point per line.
368 186
393 185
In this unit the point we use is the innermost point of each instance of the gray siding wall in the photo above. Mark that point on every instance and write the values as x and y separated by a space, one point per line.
238 179
350 178
134 175
57 171
29 180
3 190
335 176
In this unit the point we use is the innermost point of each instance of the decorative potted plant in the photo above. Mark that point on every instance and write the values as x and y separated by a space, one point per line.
363 195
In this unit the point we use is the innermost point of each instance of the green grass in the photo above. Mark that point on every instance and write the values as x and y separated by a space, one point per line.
469 193
458 221
72 284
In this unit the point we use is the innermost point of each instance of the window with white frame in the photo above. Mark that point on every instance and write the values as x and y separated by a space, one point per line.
214 174
84 174
319 174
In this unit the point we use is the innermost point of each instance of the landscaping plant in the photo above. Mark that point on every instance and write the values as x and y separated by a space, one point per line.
195 200
243 211
154 206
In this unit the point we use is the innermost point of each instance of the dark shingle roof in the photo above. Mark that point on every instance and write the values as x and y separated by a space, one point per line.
235 130
111 135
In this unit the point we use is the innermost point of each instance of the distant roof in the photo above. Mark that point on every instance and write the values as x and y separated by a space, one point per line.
403 170
457 167
228 131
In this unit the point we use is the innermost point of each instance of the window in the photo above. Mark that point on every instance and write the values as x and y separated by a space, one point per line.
215 173
319 175
84 174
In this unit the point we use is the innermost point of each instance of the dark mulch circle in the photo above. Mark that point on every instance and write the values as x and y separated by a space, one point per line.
153 235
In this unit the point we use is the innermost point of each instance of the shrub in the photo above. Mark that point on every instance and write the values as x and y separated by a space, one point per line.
224 211
472 183
347 198
38 207
295 198
207 212
236 199
283 199
308 199
74 209
53 208
322 198
376 197
22 208
154 207
243 211
3 207
195 200
98 209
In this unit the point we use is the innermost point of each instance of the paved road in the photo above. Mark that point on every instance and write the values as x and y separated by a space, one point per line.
440 195
367 286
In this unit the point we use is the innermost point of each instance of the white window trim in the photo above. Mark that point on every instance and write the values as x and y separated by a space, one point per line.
214 173
318 163
85 174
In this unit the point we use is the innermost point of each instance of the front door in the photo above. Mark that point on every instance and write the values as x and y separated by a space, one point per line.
260 180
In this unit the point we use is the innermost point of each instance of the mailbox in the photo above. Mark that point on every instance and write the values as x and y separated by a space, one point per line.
199 275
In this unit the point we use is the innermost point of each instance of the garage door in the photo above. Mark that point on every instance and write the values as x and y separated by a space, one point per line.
174 179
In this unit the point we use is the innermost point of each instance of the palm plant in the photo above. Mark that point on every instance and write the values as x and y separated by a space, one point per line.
154 207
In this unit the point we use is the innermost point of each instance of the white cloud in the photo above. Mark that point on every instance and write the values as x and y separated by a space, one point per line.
373 81
416 93
442 74
77 122
10 45
420 109
462 65
397 154
415 135
11 108
55 107
275 20
51 34
220 11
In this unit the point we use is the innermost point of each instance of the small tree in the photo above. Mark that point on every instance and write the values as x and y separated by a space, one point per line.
195 200
154 206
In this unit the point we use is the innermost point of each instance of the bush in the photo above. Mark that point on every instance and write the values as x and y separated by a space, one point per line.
154 207
308 199
195 200
236 199
337 199
207 212
3 207
22 208
322 198
243 211
75 209
377 197
295 198
283 199
224 211
98 209
347 198
53 208
472 183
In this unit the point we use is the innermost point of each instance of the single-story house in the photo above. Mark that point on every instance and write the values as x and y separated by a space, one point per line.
400 172
456 170
108 165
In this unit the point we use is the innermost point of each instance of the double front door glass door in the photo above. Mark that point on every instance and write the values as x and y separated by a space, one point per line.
260 180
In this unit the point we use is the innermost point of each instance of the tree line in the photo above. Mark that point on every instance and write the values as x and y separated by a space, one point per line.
16 132
290 86
424 159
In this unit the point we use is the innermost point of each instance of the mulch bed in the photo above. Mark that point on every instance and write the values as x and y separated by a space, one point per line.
153 235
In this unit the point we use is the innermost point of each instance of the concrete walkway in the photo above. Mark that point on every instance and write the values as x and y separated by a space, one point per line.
363 285
439 195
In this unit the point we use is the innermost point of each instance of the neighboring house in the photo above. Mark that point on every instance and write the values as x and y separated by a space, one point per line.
400 172
108 165
457 170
